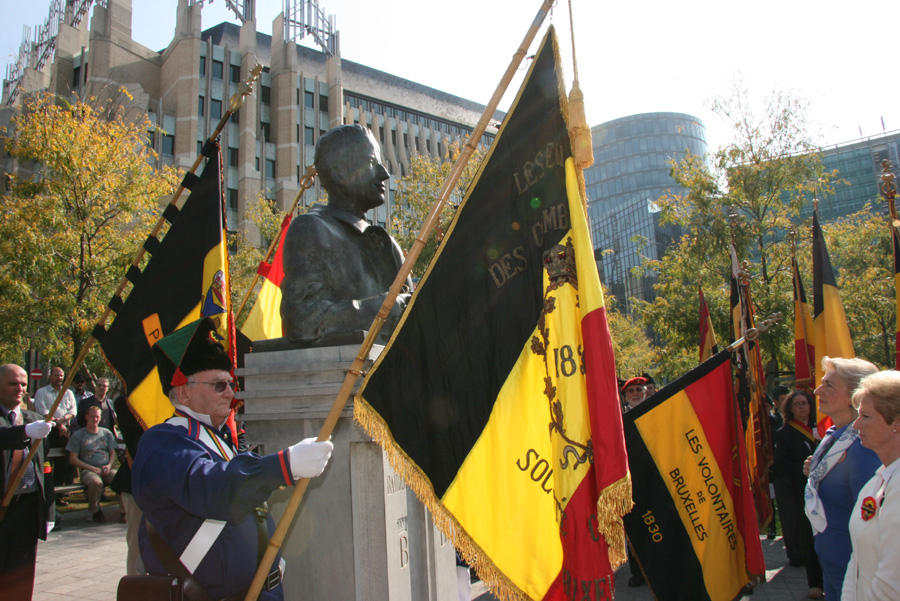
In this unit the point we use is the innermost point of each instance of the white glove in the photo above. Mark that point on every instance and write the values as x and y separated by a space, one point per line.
308 458
38 430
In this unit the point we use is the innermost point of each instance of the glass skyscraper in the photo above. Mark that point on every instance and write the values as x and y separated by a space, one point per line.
632 160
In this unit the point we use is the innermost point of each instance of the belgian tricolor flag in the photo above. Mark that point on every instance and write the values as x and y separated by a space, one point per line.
804 347
496 396
693 527
185 278
708 344
264 320
831 333
895 236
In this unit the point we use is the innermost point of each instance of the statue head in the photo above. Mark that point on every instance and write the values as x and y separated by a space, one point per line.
348 161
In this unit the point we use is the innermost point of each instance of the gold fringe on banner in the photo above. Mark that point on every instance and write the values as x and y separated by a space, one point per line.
415 479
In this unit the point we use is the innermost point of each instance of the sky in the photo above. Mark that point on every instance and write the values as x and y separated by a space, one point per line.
632 57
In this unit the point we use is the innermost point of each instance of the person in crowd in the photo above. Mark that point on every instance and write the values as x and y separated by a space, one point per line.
31 509
101 400
794 443
131 433
633 392
837 470
92 449
201 500
79 388
873 573
649 386
773 406
62 419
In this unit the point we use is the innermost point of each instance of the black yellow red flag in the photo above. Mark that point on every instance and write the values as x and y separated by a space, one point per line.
264 320
708 344
895 236
693 527
804 345
831 333
496 397
751 395
185 278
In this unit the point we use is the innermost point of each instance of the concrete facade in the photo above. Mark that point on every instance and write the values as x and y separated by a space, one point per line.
266 148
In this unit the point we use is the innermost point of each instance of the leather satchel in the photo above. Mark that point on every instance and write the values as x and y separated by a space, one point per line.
150 588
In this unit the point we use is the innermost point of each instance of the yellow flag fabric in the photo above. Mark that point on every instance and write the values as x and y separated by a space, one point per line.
264 319
496 397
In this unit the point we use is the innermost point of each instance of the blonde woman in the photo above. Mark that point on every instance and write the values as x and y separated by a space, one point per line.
873 573
838 470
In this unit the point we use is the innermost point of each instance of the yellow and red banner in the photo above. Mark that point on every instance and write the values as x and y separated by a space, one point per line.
895 237
708 344
186 278
693 527
804 345
831 333
496 397
264 320
751 395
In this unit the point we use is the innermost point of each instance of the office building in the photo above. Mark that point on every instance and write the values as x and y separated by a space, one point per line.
185 88
632 161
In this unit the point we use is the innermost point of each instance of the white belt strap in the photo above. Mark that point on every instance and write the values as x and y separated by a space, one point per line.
201 544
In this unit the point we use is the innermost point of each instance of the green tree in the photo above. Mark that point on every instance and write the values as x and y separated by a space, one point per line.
755 186
69 230
416 194
860 249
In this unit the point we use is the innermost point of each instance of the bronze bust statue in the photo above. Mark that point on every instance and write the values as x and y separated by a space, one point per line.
337 267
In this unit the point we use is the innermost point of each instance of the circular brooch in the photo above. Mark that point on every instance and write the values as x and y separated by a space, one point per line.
868 508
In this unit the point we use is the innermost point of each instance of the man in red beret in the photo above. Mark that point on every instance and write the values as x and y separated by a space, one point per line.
633 391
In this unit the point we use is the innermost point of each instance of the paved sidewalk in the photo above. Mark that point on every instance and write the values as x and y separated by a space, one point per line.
85 561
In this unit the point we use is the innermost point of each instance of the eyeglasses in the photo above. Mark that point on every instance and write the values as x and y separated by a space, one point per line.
218 386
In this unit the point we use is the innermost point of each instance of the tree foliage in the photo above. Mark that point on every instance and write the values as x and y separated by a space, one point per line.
860 249
416 193
753 189
70 227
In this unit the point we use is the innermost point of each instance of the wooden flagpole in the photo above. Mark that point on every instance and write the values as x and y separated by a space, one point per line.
356 367
234 105
305 184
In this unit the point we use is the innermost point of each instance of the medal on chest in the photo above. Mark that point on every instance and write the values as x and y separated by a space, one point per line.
868 508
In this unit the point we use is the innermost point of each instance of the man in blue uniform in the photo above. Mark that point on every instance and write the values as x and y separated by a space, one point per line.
200 496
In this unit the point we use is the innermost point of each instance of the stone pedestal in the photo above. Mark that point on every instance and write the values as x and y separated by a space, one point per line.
360 534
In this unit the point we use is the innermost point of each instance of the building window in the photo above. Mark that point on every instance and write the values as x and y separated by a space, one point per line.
232 199
323 103
266 130
235 73
199 147
257 163
270 169
215 109
265 94
218 68
232 157
309 136
76 77
168 145
235 117
308 99
202 66
201 106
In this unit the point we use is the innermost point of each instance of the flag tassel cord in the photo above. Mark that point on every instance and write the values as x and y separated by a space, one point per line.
293 504
305 184
234 105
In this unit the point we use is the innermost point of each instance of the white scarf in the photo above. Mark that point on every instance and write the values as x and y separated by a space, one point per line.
830 452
